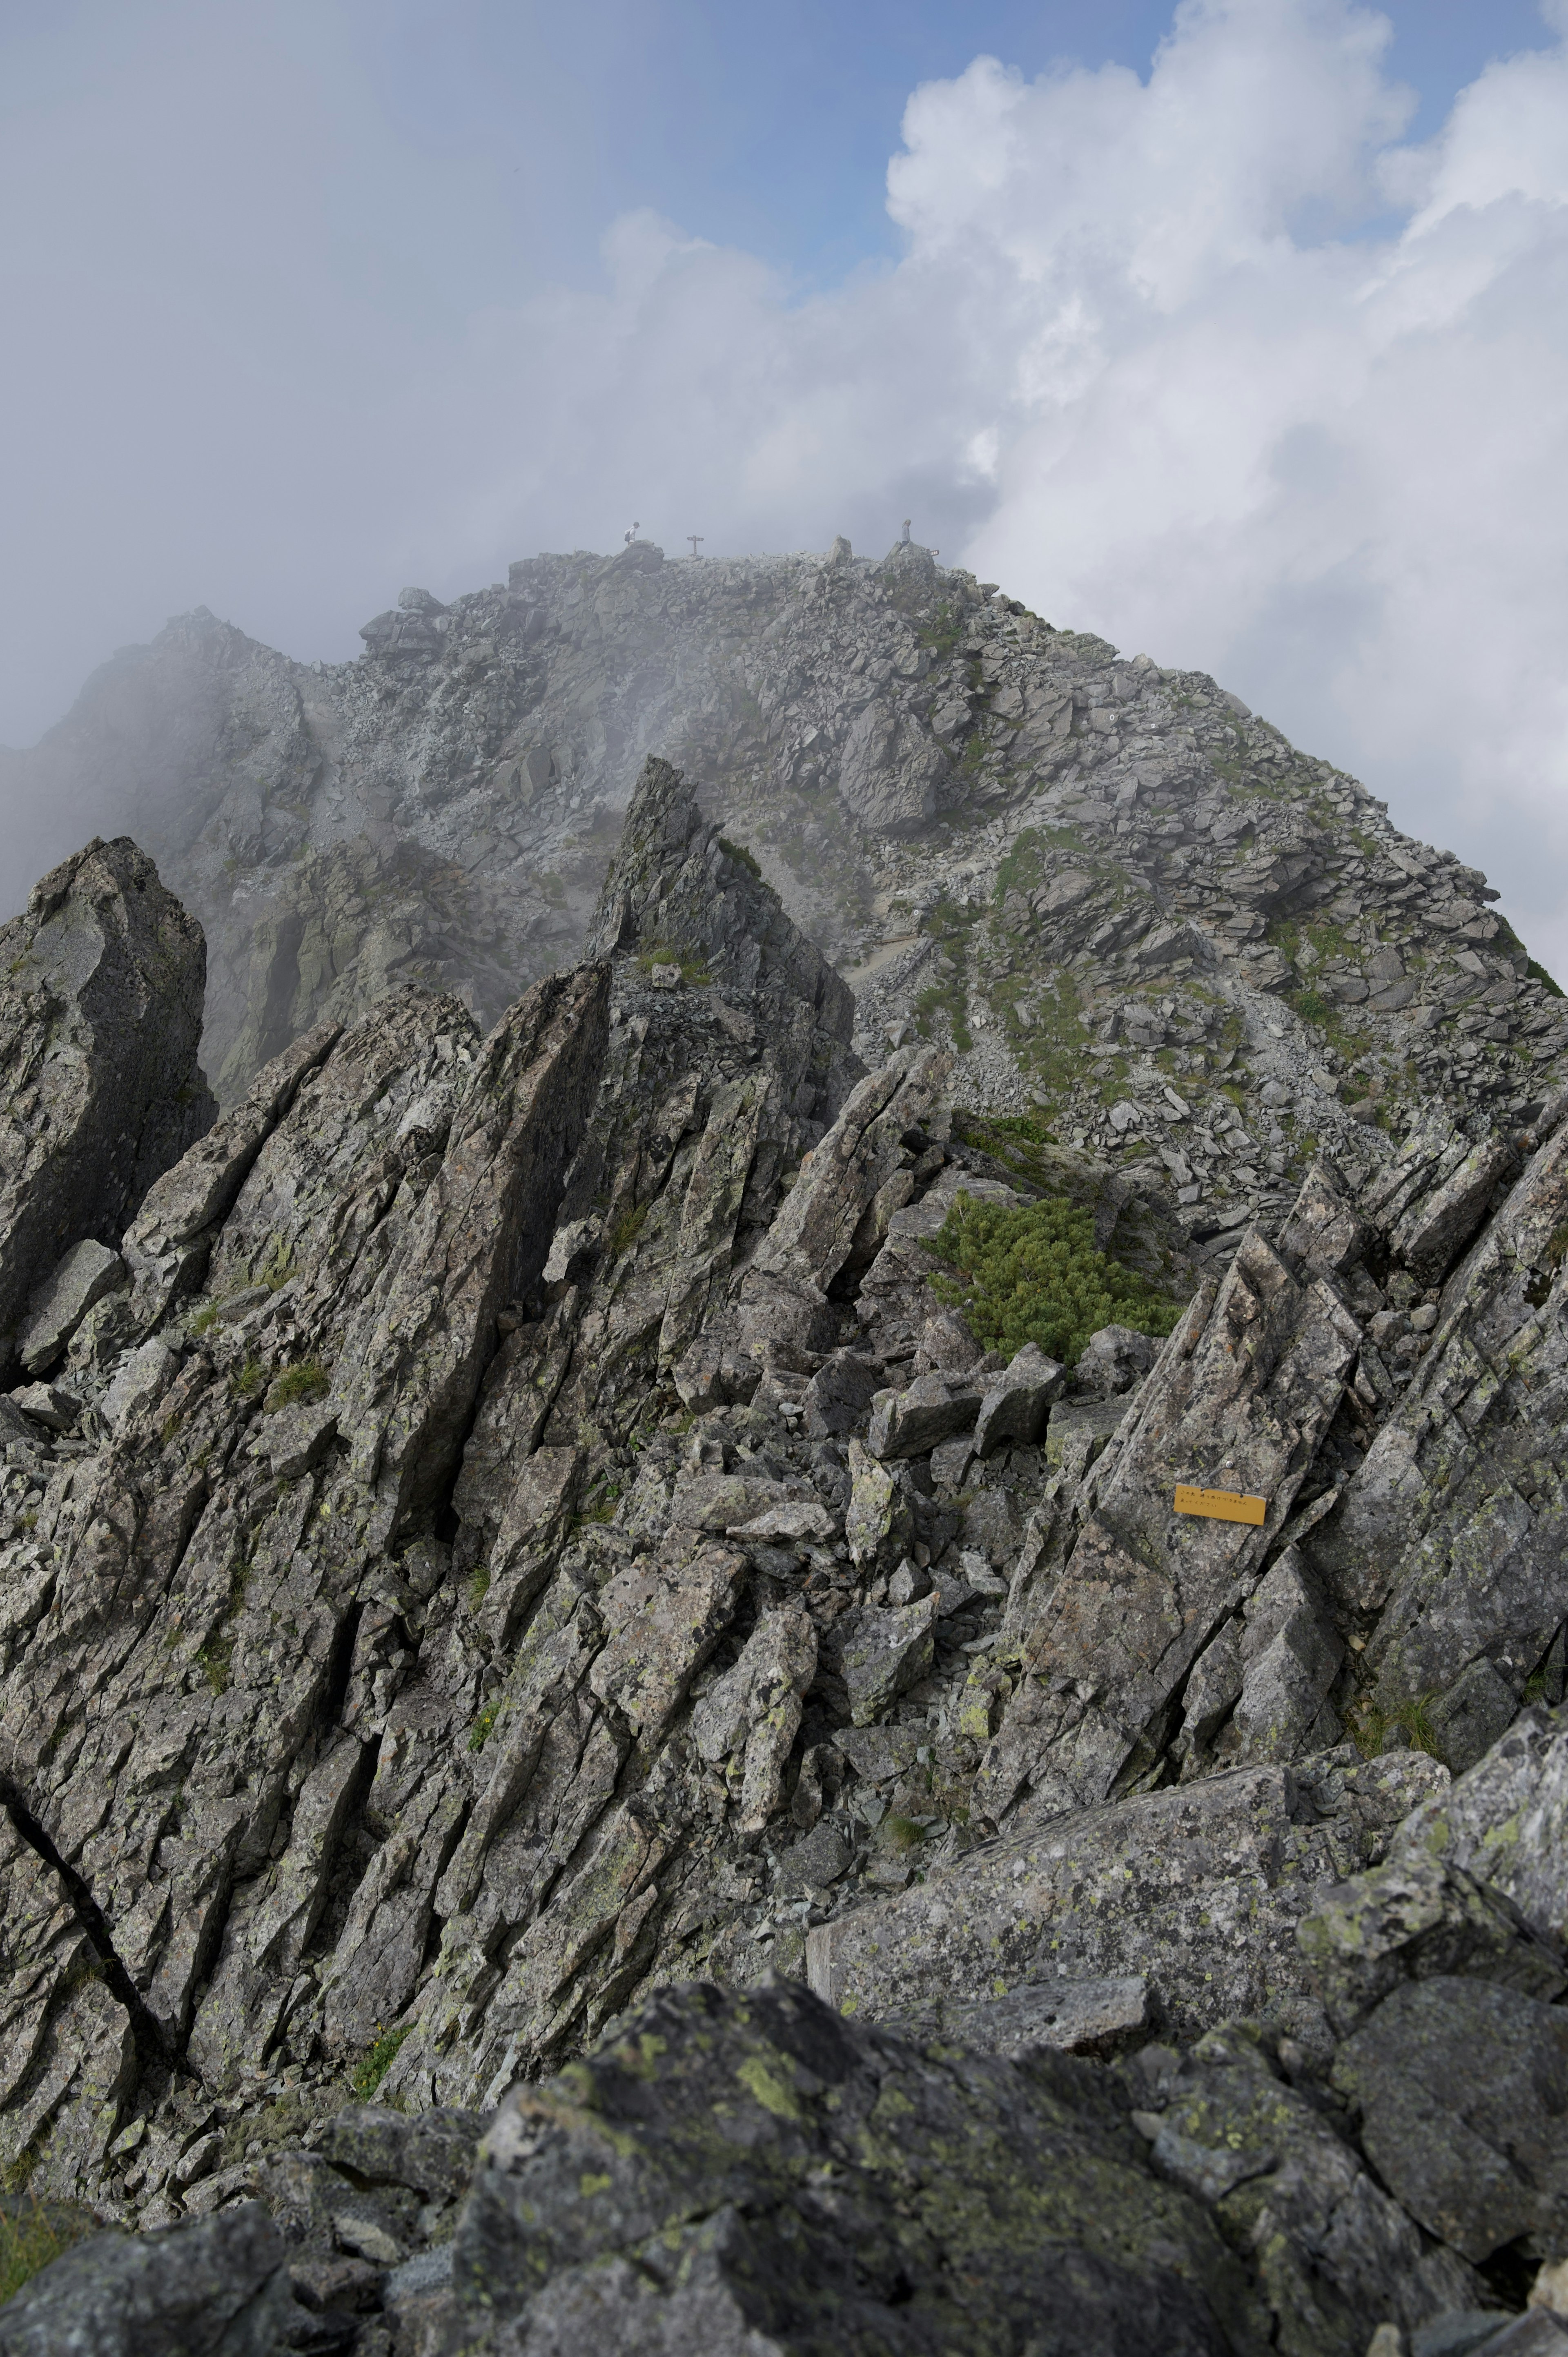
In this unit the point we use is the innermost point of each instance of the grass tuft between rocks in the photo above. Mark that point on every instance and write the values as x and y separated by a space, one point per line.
367 2074
32 2235
1033 1275
296 1386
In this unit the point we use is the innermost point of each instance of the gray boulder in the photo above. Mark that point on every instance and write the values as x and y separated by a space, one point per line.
216 2288
1015 1405
100 992
88 1272
1114 1361
1245 2126
878 1655
673 2195
1461 2088
1475 1882
1196 1890
913 1422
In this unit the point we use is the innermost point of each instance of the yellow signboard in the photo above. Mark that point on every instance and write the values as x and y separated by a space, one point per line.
1221 1505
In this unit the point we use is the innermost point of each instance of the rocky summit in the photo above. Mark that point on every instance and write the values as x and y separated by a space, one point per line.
611 1738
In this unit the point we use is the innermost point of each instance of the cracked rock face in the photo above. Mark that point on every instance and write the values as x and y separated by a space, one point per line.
101 995
520 1604
1106 888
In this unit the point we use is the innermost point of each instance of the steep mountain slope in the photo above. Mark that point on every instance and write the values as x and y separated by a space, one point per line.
520 1548
1127 905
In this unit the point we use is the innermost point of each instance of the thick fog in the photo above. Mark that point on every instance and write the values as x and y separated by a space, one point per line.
1214 359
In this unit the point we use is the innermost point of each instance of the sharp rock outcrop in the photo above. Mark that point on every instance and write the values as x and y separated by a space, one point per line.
524 1597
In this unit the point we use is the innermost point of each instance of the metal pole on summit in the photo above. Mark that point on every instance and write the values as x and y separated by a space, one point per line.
696 538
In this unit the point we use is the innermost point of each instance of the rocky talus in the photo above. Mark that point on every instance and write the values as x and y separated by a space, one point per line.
584 1769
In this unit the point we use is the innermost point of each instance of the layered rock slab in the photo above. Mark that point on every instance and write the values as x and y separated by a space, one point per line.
209 1689
1240 1399
1450 1537
1196 1890
101 992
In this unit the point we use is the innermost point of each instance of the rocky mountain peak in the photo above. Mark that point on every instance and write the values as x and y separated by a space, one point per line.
599 1745
1131 910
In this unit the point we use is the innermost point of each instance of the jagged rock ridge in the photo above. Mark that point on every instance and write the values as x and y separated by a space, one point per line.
519 1552
1114 893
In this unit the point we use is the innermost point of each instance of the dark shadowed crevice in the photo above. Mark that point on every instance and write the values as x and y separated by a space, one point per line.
340 1664
151 2044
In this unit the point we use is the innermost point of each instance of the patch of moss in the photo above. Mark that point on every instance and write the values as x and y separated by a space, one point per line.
367 2075
601 1505
1034 1274
949 998
479 1733
737 851
1538 973
693 968
942 633
275 1266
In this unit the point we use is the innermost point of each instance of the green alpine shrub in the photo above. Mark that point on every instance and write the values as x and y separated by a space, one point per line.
1034 1276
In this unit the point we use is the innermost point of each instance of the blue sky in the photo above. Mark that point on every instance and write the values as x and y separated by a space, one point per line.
1234 330
770 126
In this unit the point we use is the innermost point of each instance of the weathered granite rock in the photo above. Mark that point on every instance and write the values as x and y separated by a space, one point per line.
168 1244
1473 1882
217 2287
87 1272
675 885
1075 2017
1242 1393
877 1521
1197 1890
911 1423
1289 1656
101 984
479 1239
878 1655
839 1395
1451 1529
746 1724
1429 1236
1112 1362
1459 2085
748 2171
1015 1405
1070 1422
1285 2180
838 1211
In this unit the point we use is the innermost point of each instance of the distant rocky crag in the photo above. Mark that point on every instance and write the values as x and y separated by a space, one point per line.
523 1603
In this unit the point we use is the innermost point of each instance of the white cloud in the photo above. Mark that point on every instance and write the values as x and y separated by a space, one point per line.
1207 360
